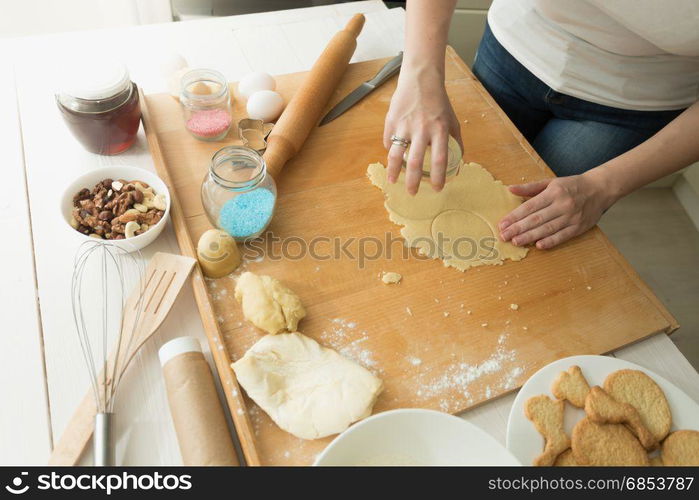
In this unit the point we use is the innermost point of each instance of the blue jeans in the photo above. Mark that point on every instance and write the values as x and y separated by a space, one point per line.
571 135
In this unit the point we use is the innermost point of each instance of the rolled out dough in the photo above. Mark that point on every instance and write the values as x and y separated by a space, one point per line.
458 225
306 389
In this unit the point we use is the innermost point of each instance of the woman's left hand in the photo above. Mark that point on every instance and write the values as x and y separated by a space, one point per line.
558 210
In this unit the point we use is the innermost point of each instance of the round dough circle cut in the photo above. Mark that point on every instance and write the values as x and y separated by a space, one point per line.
463 235
425 206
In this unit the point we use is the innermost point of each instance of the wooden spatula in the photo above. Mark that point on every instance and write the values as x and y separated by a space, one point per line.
165 275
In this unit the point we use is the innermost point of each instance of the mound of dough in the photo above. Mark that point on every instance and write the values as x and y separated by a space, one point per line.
640 391
458 225
308 390
268 304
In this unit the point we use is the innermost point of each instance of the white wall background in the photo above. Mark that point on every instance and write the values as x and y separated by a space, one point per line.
31 17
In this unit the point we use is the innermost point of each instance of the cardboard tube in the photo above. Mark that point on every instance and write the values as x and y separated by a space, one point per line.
200 424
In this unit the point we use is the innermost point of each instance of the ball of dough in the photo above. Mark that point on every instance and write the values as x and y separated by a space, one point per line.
268 304
217 253
254 82
265 105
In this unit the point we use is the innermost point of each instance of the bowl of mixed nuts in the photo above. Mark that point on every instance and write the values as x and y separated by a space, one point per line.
127 206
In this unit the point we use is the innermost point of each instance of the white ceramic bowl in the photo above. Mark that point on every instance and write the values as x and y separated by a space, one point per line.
414 437
89 179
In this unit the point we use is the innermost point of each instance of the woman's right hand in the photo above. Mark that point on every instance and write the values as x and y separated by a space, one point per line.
420 112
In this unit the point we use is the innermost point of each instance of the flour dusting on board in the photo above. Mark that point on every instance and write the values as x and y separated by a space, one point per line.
460 375
255 414
344 336
414 361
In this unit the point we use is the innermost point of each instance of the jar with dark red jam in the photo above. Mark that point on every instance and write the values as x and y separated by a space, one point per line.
99 103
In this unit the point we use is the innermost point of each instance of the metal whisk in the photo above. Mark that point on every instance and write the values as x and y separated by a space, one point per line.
103 276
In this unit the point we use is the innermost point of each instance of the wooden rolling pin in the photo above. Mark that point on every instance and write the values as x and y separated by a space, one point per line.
308 103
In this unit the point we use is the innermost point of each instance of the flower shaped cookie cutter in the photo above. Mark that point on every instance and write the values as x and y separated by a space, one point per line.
254 133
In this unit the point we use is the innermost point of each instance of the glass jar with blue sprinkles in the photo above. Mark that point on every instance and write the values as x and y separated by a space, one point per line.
238 195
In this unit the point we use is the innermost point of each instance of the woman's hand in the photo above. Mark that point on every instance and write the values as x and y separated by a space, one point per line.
420 113
558 210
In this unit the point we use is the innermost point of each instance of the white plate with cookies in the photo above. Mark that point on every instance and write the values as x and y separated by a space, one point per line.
628 419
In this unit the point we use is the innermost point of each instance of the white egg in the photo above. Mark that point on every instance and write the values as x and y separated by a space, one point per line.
171 63
254 82
175 81
172 67
265 105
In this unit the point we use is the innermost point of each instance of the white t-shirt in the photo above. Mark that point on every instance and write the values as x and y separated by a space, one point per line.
629 54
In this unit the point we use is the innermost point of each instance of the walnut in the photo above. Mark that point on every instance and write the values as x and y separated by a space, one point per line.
118 227
88 206
101 198
83 194
123 203
151 217
92 221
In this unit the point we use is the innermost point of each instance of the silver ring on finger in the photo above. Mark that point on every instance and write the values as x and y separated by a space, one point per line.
399 141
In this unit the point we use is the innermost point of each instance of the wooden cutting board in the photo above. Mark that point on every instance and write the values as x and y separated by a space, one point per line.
441 339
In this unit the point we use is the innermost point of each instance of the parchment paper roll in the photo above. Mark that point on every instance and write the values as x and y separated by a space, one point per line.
200 424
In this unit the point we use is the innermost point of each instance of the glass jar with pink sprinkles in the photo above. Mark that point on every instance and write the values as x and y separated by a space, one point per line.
206 104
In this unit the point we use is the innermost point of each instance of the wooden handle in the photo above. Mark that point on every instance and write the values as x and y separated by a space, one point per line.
308 103
73 441
69 449
78 431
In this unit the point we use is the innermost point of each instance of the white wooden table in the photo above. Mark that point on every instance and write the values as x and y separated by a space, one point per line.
41 367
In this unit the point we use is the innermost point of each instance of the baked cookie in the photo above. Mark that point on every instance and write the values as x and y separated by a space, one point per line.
547 416
606 444
601 408
640 391
565 459
571 385
656 461
681 448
